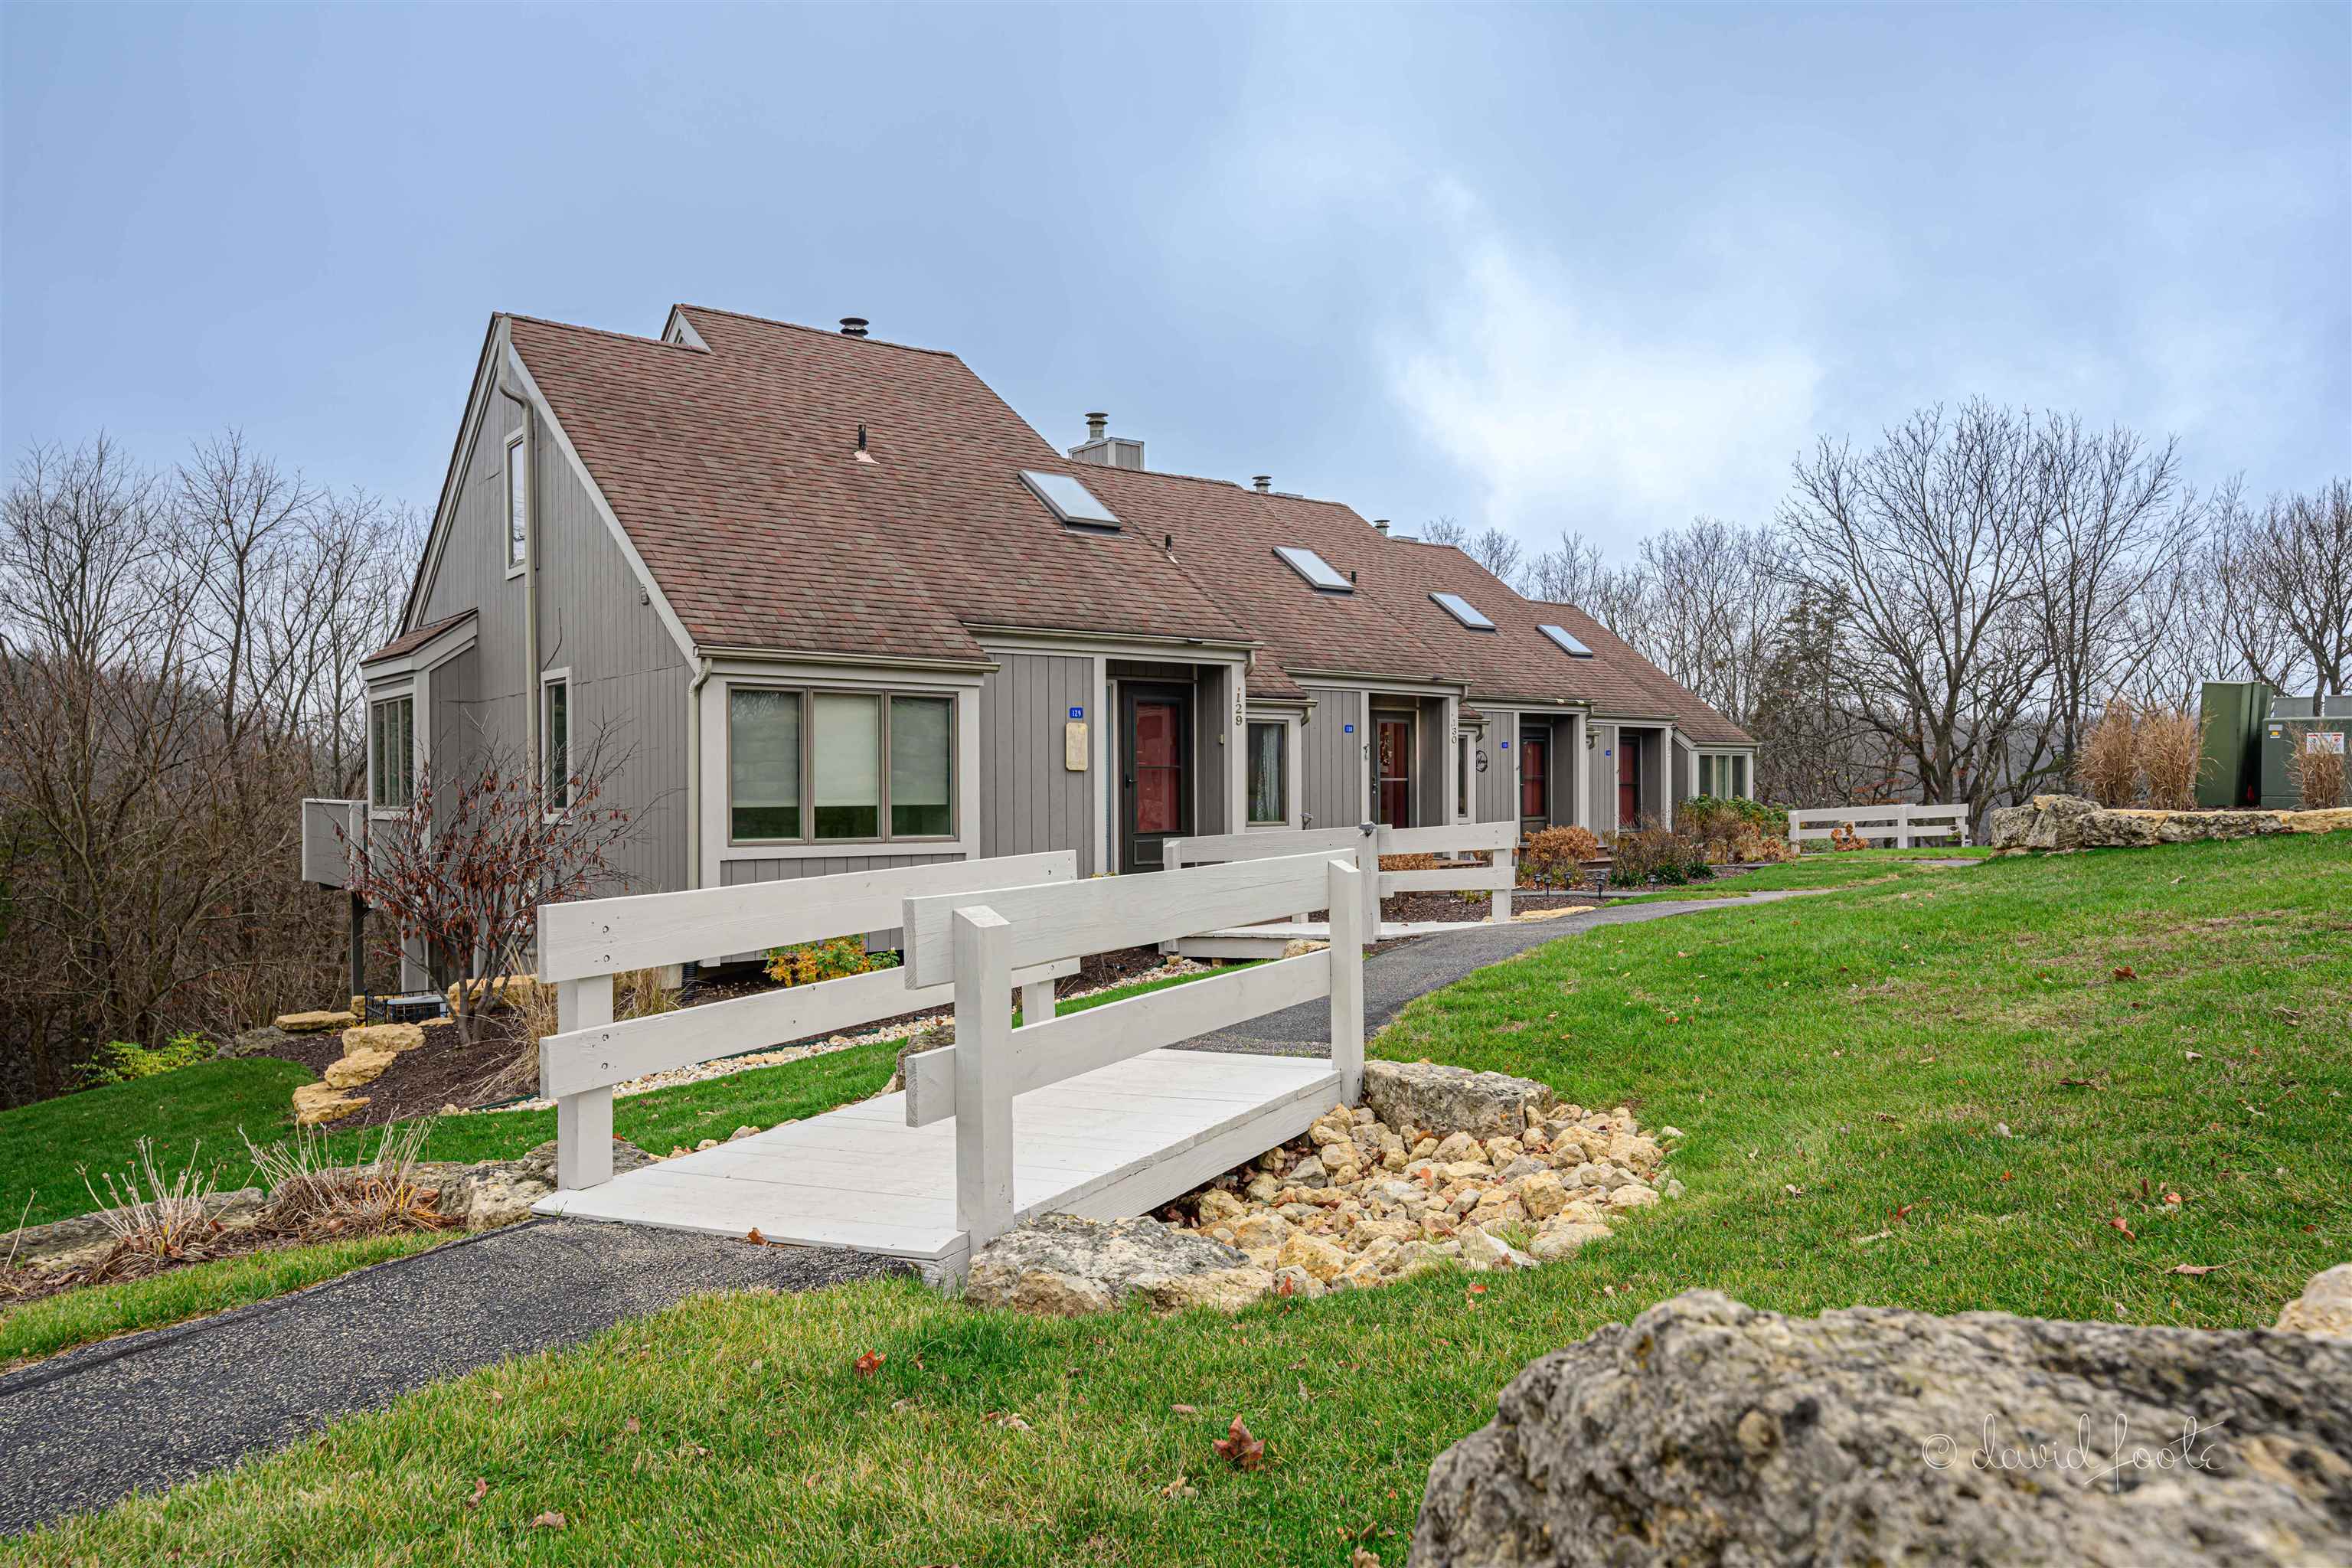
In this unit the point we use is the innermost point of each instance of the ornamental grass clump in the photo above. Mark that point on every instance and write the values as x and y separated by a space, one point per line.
2168 746
2315 766
150 1217
313 1193
2107 766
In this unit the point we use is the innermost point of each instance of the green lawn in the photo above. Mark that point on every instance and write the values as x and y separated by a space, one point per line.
79 1317
1933 1092
1849 870
41 1145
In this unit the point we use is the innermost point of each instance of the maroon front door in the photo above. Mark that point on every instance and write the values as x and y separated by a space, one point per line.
1534 778
1394 753
1158 782
1628 791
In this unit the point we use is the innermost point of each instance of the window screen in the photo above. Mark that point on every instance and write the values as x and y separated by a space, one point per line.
845 766
764 763
921 767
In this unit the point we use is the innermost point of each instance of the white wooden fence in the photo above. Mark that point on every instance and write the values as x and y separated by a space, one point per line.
1489 867
1904 825
583 944
978 942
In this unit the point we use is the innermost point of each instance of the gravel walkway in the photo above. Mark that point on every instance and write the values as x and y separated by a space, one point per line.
83 1429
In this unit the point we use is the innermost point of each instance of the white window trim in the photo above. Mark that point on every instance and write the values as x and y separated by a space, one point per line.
548 680
517 443
807 840
412 692
1465 762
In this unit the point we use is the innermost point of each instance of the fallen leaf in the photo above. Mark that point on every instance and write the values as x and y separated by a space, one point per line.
2127 972
2194 1056
1477 1290
2194 1270
1874 1235
1238 1448
2172 1197
870 1363
1359 1558
2119 1224
550 1520
481 1490
633 1424
1185 1409
496 1397
1179 1488
755 1239
1008 1420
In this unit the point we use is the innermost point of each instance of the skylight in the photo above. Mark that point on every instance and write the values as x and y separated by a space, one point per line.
1568 643
1070 501
1318 571
1463 610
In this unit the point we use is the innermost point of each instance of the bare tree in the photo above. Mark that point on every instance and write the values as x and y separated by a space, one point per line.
2288 576
1931 538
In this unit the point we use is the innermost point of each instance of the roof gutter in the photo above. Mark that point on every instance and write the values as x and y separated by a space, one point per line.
876 661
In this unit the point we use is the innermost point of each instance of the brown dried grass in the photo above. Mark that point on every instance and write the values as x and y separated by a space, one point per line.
2168 746
1554 857
2107 766
312 1192
2317 776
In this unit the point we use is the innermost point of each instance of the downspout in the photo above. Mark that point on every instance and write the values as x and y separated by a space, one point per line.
530 555
694 776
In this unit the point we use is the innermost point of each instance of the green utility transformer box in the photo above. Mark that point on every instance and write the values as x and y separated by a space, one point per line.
2298 722
2233 714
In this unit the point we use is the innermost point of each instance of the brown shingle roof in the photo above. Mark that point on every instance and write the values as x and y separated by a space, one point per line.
735 473
409 642
1656 692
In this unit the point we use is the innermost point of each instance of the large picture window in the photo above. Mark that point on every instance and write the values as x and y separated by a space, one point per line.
839 766
391 753
1269 775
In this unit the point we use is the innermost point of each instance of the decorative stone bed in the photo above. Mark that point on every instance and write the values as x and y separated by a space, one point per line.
1440 1167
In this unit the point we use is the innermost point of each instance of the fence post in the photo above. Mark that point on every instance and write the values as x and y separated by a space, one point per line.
1903 826
584 1122
1347 955
1505 860
1369 863
983 942
1037 1003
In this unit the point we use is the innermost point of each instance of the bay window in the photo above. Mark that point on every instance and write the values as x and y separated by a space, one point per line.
839 766
391 753
1269 775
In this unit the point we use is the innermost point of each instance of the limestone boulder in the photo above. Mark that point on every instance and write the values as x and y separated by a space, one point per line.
314 1023
353 1069
393 1038
1446 1099
1563 1236
1062 1266
2059 822
316 1104
2324 1307
1704 1431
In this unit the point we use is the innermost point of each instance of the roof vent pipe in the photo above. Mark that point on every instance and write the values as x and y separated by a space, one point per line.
1096 424
1380 524
1264 483
852 326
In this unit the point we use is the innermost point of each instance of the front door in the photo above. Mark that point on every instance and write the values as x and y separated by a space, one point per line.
1629 781
1393 754
1157 727
1534 778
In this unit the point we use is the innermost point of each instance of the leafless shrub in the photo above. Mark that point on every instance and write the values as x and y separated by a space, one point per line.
1555 858
311 1192
150 1214
2169 747
2107 769
2317 771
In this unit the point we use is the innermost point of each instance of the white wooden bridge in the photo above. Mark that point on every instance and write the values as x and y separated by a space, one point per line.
1087 1114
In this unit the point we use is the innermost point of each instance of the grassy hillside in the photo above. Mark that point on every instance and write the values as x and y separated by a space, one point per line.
2033 1085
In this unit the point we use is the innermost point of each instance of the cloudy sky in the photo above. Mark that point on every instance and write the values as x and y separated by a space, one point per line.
1593 267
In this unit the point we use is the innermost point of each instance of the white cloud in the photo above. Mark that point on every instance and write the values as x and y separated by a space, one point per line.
1568 417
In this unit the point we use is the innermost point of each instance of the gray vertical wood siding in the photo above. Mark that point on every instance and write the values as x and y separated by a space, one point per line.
1213 719
629 680
1495 789
1602 804
1028 800
1331 763
1686 770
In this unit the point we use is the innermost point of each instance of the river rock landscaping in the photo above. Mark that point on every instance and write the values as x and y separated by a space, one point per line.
1440 1167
